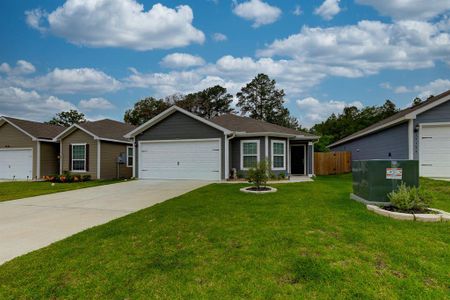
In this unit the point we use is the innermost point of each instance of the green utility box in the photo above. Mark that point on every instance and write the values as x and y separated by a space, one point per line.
374 179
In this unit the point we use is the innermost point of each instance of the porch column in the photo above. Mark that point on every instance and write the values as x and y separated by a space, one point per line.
311 159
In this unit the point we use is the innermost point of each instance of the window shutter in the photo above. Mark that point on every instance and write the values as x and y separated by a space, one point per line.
87 157
70 157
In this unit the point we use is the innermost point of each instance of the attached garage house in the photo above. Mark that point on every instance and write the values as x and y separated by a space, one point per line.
97 149
177 144
421 132
27 149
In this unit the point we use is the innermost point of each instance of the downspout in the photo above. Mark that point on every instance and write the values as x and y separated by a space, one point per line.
227 154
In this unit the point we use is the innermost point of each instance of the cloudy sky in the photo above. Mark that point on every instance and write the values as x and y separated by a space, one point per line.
101 56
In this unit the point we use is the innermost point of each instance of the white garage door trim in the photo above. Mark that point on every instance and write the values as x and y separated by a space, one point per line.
140 143
20 149
422 167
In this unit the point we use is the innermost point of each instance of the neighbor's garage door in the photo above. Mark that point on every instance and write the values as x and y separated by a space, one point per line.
435 151
180 160
16 163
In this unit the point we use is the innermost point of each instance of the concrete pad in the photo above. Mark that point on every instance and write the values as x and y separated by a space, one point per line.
32 223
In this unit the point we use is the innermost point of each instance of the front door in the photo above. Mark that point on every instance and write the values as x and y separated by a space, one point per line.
298 159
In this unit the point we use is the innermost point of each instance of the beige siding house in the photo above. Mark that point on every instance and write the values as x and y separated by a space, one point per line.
97 149
27 149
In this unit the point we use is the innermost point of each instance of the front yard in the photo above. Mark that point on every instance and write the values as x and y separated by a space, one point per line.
306 241
22 189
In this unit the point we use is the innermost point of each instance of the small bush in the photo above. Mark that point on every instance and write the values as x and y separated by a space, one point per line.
281 176
240 174
410 198
272 176
258 176
86 177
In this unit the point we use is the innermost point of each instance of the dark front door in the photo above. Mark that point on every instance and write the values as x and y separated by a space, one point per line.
297 159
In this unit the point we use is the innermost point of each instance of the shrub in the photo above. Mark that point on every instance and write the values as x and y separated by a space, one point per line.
240 174
86 177
410 198
258 176
272 176
281 176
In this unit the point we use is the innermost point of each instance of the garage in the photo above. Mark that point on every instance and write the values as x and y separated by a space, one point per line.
16 163
181 159
435 150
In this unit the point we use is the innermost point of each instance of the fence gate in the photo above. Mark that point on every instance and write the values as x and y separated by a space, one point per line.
331 163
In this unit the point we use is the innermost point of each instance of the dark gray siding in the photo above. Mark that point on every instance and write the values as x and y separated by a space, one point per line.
379 145
235 151
179 126
437 114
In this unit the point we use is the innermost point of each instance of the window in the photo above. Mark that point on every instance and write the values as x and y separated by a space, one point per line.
278 155
130 156
249 154
79 157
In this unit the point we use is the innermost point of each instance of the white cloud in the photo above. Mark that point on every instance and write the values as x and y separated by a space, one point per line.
409 9
297 10
328 9
30 104
366 48
119 23
182 60
219 37
95 103
22 67
68 81
312 110
257 11
434 88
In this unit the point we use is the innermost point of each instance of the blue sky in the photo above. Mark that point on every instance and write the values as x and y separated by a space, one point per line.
102 56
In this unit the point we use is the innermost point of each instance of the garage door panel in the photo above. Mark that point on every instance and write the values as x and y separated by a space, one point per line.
16 164
180 160
435 151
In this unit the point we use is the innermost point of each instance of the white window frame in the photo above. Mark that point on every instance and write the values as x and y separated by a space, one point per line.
272 142
242 152
85 156
127 157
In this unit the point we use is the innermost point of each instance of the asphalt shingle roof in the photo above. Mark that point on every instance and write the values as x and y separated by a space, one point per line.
108 129
245 124
37 129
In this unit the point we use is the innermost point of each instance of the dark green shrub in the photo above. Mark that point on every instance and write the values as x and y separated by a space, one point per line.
240 174
272 176
258 176
281 176
86 177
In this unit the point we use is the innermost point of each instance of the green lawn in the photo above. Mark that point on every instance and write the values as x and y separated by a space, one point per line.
23 189
306 241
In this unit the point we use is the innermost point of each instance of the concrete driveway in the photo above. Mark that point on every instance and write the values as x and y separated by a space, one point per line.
32 223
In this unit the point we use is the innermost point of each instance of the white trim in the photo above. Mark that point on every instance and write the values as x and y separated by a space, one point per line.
272 142
99 145
307 165
71 162
288 149
132 156
304 157
73 127
312 161
275 134
421 125
242 152
181 140
266 147
46 141
227 156
167 113
13 148
114 141
411 115
38 160
411 139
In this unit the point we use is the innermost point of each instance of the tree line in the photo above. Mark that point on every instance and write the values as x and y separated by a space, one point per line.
259 99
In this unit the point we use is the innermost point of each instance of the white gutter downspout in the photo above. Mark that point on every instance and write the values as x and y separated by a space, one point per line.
38 160
98 158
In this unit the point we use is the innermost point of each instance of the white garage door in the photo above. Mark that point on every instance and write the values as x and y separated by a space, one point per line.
435 151
16 163
189 159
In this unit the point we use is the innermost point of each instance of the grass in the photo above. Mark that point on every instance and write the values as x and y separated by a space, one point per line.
23 189
308 240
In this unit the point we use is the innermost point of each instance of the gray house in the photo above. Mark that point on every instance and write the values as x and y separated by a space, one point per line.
177 144
421 132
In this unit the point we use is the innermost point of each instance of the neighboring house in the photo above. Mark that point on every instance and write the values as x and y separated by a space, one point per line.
420 132
97 149
27 149
177 144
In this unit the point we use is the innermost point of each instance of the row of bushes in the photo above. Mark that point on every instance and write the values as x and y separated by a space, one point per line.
67 177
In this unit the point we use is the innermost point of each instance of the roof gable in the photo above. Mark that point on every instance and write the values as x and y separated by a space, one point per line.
402 116
35 130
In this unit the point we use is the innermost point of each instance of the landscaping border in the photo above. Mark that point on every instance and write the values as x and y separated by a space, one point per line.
440 216
246 190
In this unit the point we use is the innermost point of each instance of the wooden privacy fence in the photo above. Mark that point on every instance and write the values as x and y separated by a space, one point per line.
330 163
